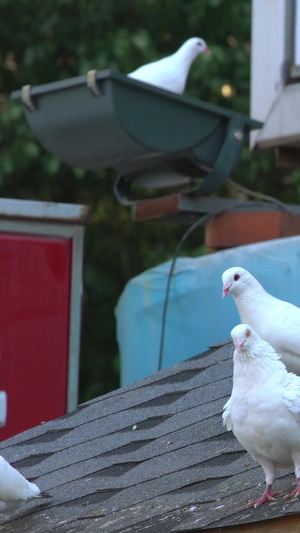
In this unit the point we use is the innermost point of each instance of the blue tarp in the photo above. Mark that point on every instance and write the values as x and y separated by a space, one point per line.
197 316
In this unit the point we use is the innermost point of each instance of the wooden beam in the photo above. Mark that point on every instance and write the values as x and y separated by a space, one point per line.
155 208
288 157
235 229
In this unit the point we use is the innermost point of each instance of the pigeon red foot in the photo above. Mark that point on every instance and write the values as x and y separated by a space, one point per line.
295 492
267 496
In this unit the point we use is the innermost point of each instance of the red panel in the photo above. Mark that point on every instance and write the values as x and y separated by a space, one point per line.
35 277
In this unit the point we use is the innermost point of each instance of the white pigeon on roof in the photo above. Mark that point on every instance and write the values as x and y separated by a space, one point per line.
276 321
263 411
15 488
171 72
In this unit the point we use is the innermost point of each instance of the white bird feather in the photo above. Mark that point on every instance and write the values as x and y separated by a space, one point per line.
276 321
263 411
171 72
15 488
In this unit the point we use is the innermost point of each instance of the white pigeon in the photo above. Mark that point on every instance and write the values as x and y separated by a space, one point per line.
263 411
15 488
171 72
276 321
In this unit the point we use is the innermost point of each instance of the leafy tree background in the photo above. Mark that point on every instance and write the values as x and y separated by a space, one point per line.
49 40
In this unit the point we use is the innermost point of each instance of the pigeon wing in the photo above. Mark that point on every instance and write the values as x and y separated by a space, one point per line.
227 415
13 485
281 328
291 394
164 73
289 318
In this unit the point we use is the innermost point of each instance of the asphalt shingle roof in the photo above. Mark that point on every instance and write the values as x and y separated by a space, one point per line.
152 456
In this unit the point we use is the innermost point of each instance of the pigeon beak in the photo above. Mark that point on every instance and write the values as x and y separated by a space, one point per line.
239 346
207 50
226 289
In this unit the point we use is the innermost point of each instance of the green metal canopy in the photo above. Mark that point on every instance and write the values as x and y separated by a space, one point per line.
152 137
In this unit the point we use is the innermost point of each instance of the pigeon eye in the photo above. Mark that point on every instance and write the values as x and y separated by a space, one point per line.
248 333
236 277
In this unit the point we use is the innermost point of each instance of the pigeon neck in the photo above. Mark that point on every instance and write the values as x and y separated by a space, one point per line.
186 55
249 294
259 366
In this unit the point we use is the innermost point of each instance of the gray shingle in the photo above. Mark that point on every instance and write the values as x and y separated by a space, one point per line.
152 456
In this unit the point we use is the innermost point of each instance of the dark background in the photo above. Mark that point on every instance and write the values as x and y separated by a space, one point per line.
49 40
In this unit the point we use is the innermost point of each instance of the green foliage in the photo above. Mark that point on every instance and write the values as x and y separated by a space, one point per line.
49 40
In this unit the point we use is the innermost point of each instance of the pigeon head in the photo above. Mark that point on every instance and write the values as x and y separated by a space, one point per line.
195 46
244 337
235 280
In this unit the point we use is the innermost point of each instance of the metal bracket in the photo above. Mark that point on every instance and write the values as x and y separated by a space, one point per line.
224 164
226 160
26 98
122 189
92 82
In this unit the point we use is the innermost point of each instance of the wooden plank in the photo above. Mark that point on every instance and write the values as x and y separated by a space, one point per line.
156 208
235 229
288 157
290 225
